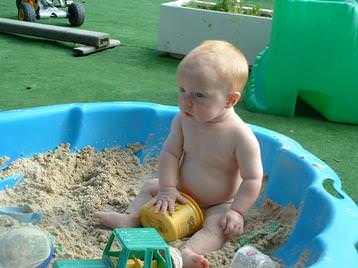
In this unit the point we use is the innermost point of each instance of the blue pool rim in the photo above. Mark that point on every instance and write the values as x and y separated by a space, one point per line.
327 227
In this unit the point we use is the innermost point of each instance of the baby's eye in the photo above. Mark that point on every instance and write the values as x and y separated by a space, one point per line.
199 95
181 90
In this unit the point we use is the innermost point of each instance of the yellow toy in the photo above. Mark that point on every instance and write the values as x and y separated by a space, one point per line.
186 220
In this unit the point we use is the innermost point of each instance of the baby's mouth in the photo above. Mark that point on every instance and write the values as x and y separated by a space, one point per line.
188 114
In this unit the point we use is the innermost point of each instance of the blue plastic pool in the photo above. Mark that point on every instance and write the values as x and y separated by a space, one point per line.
327 227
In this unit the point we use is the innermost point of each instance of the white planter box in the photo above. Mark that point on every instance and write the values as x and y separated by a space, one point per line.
182 28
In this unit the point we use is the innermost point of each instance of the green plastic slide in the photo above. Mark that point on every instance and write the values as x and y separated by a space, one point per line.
312 54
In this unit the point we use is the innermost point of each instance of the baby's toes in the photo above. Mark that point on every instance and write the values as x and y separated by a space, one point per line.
201 261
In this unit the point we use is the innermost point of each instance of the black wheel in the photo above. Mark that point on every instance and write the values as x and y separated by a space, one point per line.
34 3
76 14
26 12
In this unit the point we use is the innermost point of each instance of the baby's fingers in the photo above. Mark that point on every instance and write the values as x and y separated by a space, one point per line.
230 228
233 228
181 199
161 206
164 207
223 223
158 205
171 207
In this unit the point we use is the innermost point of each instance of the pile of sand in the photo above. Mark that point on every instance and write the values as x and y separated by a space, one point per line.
69 187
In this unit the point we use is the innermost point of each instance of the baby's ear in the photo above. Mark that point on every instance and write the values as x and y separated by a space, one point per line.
232 98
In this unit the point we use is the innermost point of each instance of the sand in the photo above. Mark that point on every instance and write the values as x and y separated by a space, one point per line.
69 187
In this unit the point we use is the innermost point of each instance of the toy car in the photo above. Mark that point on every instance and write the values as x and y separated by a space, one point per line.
128 248
30 10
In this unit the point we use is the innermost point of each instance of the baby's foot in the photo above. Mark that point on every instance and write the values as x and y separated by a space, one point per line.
117 220
193 260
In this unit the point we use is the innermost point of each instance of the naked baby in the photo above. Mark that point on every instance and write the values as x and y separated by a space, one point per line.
209 154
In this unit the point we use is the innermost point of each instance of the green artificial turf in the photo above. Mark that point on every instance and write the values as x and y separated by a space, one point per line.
36 72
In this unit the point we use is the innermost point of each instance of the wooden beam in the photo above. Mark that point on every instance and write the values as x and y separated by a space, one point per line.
85 50
89 38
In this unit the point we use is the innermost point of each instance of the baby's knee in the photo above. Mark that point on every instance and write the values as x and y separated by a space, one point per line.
213 225
214 228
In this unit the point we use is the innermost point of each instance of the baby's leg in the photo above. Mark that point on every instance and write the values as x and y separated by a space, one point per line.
131 217
206 240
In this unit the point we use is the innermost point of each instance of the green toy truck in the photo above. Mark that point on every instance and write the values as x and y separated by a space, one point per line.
128 248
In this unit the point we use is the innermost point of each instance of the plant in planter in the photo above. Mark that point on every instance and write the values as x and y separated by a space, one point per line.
184 24
234 6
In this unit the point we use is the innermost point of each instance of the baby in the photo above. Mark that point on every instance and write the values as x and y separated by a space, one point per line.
210 153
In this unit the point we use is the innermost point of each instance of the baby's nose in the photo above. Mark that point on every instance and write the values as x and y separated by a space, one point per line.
188 100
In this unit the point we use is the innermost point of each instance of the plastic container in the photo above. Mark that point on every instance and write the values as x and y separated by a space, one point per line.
25 247
177 259
250 257
186 219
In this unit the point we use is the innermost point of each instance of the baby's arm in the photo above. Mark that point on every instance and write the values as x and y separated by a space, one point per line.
169 168
249 161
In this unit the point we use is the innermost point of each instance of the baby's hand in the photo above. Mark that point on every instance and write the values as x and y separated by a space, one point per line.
232 223
166 200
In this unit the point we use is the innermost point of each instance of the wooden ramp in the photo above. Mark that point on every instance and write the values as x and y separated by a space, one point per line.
93 41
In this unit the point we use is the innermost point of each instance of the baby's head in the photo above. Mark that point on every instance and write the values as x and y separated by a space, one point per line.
215 72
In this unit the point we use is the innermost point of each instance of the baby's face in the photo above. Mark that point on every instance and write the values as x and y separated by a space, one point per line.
202 94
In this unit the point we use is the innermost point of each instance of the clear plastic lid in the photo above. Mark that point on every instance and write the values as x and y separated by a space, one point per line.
250 257
24 247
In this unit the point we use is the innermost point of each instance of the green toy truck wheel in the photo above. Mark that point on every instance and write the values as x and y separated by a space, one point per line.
26 12
76 14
